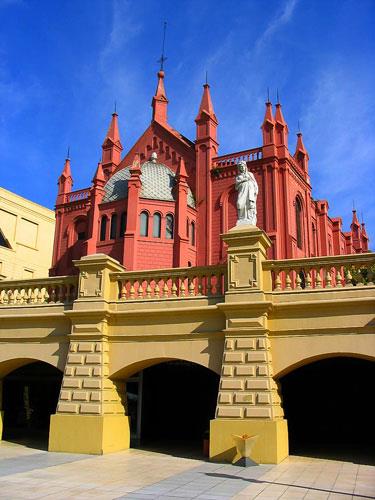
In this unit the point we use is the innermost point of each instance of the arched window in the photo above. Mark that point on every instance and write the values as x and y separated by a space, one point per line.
144 224
192 234
113 232
314 239
103 228
122 224
169 229
299 222
156 225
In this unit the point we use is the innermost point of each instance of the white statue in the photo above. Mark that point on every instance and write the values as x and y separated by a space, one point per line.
247 192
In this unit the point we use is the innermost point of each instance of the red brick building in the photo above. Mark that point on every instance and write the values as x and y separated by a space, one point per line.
168 200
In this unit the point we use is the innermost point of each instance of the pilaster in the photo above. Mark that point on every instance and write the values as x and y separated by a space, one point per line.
248 399
91 411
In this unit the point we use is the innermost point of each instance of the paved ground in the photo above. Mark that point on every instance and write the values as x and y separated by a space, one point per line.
136 474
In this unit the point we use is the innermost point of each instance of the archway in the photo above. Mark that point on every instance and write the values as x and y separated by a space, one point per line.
327 405
30 395
170 406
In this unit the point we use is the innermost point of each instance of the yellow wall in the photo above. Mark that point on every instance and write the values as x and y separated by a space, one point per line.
29 229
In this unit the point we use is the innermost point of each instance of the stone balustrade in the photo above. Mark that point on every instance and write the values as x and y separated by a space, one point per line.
59 290
209 281
321 272
233 159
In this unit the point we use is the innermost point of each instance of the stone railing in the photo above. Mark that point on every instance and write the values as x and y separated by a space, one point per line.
321 272
60 290
183 282
233 159
80 195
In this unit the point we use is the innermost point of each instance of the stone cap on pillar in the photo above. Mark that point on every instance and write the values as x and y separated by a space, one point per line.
247 249
94 276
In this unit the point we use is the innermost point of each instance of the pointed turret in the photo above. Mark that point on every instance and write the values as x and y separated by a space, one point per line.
160 101
65 181
99 177
281 127
301 155
206 148
112 147
355 228
268 132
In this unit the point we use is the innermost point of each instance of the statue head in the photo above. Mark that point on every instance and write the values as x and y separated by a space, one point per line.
153 157
242 166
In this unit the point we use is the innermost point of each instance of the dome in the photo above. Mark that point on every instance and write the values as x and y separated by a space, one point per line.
157 184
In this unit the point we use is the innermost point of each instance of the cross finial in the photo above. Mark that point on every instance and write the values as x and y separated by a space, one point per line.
206 77
353 205
299 127
68 153
277 96
163 58
115 107
268 94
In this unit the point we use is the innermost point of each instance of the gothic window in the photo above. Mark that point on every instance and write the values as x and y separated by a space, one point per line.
298 207
169 227
103 228
192 234
144 224
156 225
122 224
314 239
113 232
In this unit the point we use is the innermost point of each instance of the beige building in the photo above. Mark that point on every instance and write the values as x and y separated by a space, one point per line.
26 237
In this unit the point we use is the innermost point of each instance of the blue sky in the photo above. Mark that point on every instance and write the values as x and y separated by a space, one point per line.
64 63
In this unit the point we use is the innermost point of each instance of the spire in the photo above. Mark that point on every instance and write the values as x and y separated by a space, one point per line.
181 170
281 126
206 108
301 154
99 177
160 101
111 147
268 125
355 221
65 181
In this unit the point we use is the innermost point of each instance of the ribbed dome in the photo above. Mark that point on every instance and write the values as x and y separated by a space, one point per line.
157 184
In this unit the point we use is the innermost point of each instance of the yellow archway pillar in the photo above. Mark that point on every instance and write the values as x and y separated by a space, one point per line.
91 415
248 401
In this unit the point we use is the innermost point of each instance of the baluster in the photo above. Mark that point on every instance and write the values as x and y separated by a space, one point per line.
338 278
298 281
11 297
148 290
123 290
208 285
60 294
46 296
165 288
20 296
277 281
6 297
174 288
348 278
182 287
53 295
360 279
308 279
328 278
140 289
132 290
191 287
288 281
318 279
370 276
1 296
157 289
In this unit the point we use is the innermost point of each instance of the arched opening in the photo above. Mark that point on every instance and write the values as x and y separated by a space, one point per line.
169 227
156 225
113 231
298 208
30 396
122 224
327 405
144 224
170 405
103 228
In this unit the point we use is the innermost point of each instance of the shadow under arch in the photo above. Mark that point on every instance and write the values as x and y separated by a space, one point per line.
326 402
170 403
30 391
